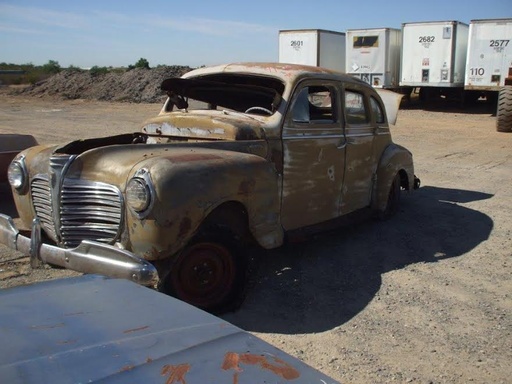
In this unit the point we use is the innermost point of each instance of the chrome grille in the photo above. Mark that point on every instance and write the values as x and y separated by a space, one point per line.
42 201
89 211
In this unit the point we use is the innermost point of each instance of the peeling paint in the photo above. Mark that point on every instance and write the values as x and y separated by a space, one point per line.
175 373
136 329
279 367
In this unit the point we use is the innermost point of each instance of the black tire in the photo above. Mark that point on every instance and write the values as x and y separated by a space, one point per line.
210 273
393 202
504 110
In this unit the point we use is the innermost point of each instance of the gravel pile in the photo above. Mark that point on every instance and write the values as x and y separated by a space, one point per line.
137 85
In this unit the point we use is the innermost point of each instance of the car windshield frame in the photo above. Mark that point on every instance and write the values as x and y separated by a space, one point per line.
237 93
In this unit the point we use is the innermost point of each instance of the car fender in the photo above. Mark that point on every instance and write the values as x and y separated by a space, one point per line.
189 183
395 159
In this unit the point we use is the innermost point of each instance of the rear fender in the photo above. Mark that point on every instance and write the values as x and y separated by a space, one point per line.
395 159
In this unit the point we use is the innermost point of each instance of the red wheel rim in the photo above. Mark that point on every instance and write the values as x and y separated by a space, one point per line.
204 274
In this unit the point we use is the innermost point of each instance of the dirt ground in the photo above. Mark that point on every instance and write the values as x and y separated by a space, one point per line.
424 297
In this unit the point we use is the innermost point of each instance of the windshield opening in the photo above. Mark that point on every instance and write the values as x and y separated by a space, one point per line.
242 93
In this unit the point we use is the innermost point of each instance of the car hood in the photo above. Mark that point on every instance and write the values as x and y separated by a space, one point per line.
209 125
95 329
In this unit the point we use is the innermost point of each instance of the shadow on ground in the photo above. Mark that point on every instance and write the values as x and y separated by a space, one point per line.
320 284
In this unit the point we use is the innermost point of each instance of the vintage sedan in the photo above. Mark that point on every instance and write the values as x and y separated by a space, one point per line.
240 154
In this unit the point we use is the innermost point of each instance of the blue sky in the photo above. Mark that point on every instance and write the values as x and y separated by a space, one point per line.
118 33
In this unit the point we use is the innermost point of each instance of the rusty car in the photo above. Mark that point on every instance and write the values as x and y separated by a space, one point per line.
239 155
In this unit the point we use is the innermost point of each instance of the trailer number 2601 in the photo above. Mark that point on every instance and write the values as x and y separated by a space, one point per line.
499 43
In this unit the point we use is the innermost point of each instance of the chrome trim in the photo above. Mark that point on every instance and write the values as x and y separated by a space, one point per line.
59 164
35 244
88 257
41 193
23 165
144 174
85 211
306 136
90 211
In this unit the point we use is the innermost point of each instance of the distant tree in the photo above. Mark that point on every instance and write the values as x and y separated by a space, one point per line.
74 68
95 71
52 67
142 63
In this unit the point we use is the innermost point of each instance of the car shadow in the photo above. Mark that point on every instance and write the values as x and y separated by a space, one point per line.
322 283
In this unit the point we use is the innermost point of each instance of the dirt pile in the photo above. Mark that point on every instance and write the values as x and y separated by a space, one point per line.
138 85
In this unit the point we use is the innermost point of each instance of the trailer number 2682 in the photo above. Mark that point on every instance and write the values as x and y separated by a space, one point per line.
427 39
499 43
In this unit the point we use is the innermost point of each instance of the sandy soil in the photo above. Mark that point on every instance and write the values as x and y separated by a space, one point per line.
424 297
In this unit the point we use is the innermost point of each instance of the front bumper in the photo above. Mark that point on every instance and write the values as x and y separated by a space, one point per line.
88 257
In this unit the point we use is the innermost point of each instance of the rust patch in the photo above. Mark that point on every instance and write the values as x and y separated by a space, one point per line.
149 360
246 187
278 367
185 226
127 368
176 373
74 314
195 157
50 326
136 329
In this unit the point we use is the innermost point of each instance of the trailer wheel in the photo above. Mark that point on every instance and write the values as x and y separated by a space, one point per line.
504 111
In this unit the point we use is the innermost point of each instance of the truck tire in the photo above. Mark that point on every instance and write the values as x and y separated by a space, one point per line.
504 111
210 273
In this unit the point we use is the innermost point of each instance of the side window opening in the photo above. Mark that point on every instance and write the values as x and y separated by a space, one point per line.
377 111
355 109
314 104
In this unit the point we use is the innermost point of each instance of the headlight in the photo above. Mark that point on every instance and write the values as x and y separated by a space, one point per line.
17 175
138 194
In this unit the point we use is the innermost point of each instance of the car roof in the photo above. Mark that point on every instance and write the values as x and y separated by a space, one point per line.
285 71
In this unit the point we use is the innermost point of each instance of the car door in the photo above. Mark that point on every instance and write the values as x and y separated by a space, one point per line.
313 155
360 131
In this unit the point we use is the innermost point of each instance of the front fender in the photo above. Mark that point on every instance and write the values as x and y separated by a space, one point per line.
189 184
395 159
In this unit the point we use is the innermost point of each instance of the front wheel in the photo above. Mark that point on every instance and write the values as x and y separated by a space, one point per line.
209 273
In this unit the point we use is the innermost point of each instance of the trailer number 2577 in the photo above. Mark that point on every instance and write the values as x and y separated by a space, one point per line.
499 43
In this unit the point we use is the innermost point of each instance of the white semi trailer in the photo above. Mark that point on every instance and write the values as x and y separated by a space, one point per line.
316 47
489 66
373 55
433 58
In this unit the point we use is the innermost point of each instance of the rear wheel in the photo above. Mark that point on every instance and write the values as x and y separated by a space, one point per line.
209 273
393 202
504 111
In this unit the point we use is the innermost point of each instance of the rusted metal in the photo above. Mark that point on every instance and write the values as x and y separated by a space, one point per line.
93 329
293 146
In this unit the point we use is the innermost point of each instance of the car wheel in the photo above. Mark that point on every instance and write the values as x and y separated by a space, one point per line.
209 273
393 202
